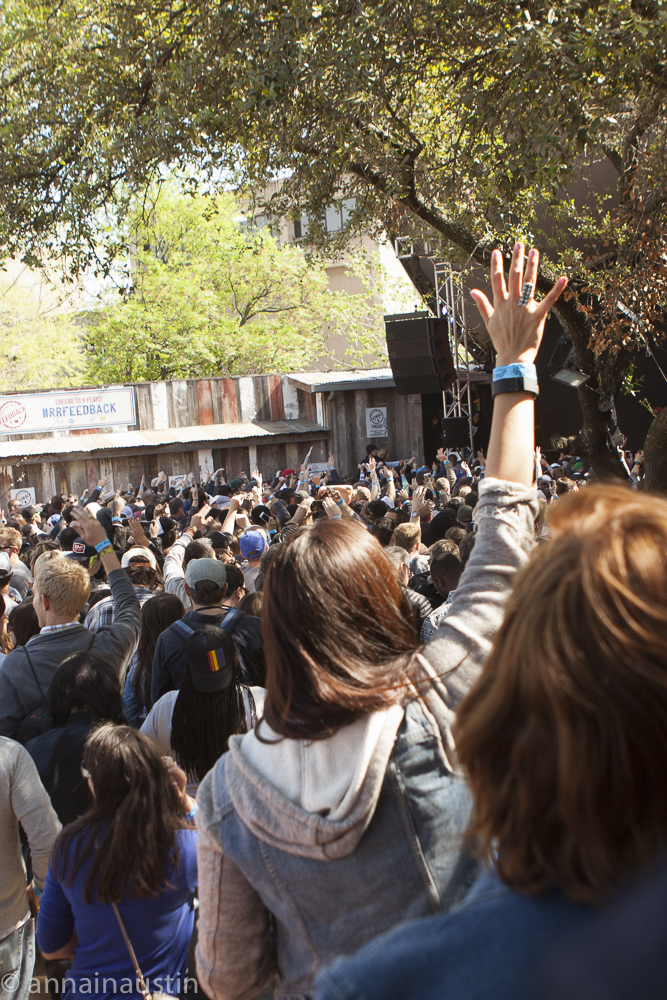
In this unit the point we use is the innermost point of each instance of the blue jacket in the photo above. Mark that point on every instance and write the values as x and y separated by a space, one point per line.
495 946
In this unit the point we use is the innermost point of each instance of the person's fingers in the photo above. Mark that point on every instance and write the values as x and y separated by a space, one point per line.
515 277
532 267
483 304
498 276
552 297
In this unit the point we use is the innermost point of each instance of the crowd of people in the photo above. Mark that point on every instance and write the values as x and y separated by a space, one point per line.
376 740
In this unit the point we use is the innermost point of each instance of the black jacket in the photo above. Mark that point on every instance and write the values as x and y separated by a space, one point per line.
170 652
57 755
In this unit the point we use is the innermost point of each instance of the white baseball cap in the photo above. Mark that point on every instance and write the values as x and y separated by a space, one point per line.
138 552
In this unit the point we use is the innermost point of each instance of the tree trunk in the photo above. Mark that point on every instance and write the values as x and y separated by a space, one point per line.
655 455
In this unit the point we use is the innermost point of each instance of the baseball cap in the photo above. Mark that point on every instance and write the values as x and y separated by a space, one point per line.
82 553
464 513
235 483
212 570
138 552
5 566
253 544
28 512
210 667
221 500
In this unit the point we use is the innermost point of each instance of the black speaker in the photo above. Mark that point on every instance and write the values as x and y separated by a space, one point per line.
419 353
456 432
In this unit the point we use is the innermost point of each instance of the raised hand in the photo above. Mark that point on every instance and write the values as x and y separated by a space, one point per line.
138 533
198 520
515 330
102 482
331 507
419 502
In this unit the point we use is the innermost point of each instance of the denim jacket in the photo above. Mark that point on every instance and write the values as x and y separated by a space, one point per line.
308 850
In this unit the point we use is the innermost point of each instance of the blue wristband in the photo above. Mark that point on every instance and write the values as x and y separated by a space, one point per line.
517 370
38 892
102 546
191 815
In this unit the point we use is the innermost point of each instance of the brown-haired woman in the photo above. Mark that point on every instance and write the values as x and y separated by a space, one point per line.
135 848
564 740
343 812
157 614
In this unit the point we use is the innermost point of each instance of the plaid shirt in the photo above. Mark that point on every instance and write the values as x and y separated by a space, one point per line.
102 614
56 628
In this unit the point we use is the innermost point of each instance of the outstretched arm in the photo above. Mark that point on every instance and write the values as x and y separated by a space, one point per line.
507 501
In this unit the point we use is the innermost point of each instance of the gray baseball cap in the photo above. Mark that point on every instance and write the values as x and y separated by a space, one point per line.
205 569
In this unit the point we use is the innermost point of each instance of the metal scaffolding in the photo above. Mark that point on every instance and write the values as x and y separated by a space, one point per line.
448 302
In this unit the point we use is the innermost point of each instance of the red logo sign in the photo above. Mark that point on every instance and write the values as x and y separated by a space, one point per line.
13 414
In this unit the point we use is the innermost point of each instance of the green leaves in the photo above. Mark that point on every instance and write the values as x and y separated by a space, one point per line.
213 294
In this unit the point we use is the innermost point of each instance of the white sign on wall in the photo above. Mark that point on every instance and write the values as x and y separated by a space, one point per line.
320 467
67 410
26 496
376 422
178 481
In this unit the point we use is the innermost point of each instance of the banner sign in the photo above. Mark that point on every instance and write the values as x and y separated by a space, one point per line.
72 409
376 422
179 482
26 497
320 467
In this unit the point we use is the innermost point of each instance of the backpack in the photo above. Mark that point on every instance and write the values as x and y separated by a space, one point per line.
229 623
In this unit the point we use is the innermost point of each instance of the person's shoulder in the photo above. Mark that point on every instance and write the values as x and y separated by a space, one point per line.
10 751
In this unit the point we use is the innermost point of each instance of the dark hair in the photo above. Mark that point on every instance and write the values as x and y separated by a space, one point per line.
199 549
129 833
564 485
57 503
23 622
202 723
207 593
86 682
349 654
448 568
375 509
157 614
251 604
174 506
466 546
382 529
456 535
235 578
67 537
141 573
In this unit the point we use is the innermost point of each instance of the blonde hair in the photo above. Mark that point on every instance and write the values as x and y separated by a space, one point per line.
12 536
406 536
65 582
564 734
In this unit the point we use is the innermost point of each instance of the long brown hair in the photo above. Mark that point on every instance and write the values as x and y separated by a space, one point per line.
157 614
564 735
129 833
338 632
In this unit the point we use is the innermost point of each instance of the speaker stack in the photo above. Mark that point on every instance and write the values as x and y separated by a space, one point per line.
419 352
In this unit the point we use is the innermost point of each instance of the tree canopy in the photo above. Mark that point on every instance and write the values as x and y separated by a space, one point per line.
210 293
476 122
